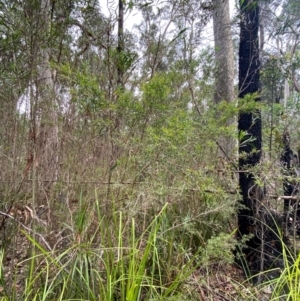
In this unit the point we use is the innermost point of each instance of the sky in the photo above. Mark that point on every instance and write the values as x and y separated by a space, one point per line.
110 8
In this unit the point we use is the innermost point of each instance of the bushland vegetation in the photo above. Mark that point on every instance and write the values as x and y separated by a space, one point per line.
116 181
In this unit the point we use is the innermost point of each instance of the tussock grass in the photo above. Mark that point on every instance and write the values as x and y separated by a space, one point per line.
125 265
287 286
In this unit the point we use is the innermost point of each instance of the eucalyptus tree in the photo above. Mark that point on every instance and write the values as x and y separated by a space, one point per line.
249 123
224 61
13 81
44 116
47 25
35 41
224 76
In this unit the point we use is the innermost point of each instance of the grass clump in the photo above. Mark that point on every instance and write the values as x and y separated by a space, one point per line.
114 263
287 286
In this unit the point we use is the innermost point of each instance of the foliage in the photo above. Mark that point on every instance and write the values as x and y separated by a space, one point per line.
158 245
142 200
122 264
287 285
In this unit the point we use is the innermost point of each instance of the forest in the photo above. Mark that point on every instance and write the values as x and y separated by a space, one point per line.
149 150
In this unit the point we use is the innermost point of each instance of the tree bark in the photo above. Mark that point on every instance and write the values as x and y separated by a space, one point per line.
290 162
224 75
46 126
224 61
249 123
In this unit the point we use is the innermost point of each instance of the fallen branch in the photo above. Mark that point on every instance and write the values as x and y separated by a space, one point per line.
284 197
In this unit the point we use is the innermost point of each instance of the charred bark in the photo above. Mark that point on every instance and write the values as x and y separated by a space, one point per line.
291 208
263 250
250 125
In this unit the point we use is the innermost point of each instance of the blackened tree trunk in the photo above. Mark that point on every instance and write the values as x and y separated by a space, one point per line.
290 163
287 185
249 123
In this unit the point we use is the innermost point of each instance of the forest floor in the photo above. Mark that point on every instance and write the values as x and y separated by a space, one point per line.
223 282
214 282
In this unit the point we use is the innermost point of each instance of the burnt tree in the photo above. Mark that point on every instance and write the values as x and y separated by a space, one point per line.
249 123
290 165
264 248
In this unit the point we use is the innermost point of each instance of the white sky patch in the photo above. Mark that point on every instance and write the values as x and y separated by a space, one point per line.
23 103
278 11
109 9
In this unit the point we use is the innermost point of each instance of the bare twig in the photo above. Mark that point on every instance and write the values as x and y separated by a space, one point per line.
28 229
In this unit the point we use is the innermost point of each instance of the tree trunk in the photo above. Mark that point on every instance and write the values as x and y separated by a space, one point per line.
249 123
290 162
224 75
224 59
46 116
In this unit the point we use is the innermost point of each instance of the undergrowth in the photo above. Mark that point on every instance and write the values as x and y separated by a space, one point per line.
111 257
116 262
